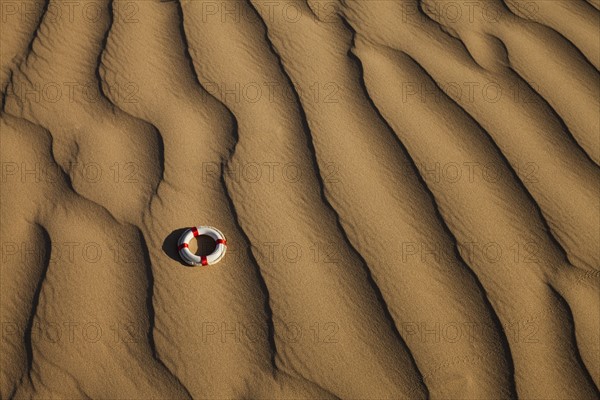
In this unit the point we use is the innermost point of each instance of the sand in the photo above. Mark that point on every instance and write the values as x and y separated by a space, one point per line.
409 189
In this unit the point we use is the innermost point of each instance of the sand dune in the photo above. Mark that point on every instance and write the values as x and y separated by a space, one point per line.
409 191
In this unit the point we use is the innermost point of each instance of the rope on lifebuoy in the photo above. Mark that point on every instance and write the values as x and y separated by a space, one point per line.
193 259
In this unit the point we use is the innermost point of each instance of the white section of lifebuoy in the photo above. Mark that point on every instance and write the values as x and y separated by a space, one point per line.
193 259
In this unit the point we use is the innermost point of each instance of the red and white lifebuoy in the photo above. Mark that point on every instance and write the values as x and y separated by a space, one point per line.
193 259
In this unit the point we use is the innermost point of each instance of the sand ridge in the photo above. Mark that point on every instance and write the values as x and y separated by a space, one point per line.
410 198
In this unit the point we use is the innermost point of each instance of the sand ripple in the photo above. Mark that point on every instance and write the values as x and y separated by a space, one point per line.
409 190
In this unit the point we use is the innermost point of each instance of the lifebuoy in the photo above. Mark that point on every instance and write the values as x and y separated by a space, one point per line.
193 259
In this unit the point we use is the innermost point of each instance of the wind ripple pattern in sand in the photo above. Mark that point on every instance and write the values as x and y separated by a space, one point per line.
409 190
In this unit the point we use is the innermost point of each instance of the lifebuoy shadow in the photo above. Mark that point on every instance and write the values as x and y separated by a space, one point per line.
206 245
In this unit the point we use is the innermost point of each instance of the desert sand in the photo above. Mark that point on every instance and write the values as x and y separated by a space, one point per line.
409 190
